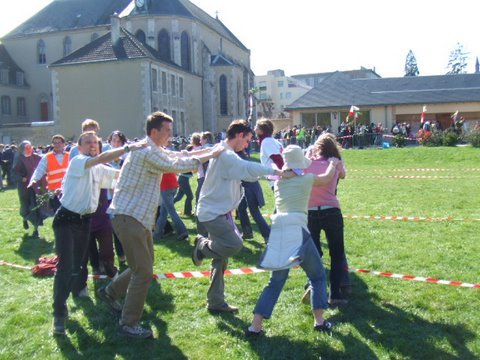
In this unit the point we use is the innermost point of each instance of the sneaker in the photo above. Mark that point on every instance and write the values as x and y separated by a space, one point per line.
182 237
109 300
197 256
25 224
225 308
137 332
247 236
254 334
58 325
325 327
35 234
306 296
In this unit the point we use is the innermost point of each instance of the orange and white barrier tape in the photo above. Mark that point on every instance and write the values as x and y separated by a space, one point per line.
412 169
247 271
408 177
407 218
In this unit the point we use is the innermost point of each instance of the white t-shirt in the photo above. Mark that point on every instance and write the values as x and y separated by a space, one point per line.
269 147
81 186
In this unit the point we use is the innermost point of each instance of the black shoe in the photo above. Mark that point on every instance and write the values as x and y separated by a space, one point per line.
225 308
254 334
197 256
247 236
337 302
25 224
325 327
182 237
35 234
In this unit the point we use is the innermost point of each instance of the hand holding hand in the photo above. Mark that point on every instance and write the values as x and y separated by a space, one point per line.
286 174
217 150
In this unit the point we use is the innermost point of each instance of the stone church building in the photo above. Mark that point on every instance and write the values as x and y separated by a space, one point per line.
116 61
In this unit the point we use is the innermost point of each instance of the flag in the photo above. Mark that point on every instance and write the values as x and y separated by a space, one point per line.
422 118
454 118
250 106
353 110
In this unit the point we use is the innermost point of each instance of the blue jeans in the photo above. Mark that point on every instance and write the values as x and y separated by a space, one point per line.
251 202
312 265
185 189
331 221
168 208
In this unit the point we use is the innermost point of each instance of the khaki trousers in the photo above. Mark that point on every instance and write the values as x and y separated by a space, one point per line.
133 283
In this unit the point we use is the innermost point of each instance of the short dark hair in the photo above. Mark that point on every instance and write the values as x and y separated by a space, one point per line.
266 126
155 121
120 135
238 126
207 135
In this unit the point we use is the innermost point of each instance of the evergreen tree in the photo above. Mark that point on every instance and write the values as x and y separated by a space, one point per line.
411 67
457 62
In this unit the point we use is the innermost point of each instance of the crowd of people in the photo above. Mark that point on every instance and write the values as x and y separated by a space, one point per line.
118 196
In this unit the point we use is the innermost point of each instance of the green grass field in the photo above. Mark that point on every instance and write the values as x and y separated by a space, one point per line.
386 318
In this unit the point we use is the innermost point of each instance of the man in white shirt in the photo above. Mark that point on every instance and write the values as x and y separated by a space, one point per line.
221 193
84 178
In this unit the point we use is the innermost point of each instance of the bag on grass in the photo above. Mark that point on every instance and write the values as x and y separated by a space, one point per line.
46 266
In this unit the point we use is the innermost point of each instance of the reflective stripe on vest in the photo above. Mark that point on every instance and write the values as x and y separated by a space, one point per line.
56 171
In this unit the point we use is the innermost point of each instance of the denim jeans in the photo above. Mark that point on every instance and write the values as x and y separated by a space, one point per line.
168 208
312 265
185 189
71 244
250 201
331 221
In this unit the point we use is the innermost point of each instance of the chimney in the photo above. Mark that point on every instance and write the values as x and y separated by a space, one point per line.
115 28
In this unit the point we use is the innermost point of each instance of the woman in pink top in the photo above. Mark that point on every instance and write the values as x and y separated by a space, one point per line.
324 214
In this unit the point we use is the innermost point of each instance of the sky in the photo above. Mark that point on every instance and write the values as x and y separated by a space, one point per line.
312 36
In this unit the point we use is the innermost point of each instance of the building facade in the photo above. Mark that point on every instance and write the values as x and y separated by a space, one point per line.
82 61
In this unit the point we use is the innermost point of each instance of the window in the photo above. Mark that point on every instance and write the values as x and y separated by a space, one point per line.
164 45
6 105
21 107
223 95
180 87
4 76
164 82
20 78
67 46
288 95
280 83
154 80
41 52
185 50
172 85
94 37
182 122
281 96
262 86
174 114
140 35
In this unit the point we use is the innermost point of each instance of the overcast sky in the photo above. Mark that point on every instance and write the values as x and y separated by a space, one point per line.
308 36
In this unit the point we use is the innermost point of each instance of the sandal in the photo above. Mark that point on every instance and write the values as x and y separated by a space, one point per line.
325 327
254 334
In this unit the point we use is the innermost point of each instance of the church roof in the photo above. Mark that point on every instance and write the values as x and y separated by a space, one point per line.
75 14
339 90
102 49
7 63
69 14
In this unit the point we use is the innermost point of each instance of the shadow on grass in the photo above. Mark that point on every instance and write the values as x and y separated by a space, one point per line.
99 339
402 333
31 248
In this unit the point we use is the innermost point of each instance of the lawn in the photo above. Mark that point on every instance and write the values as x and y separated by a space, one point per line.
386 318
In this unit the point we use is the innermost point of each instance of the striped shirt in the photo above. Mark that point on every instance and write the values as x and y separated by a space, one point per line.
137 191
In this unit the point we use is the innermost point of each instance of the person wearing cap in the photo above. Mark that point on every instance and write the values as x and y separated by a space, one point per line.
290 243
221 194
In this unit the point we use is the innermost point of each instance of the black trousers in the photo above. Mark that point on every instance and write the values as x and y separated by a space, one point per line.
71 232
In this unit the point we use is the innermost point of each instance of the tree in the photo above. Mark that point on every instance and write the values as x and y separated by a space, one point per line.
457 61
411 68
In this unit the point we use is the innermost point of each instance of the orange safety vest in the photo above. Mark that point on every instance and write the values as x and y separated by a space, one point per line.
56 171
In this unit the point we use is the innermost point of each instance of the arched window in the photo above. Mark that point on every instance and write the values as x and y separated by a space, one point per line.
94 37
41 52
164 45
67 46
185 50
140 35
6 105
223 95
